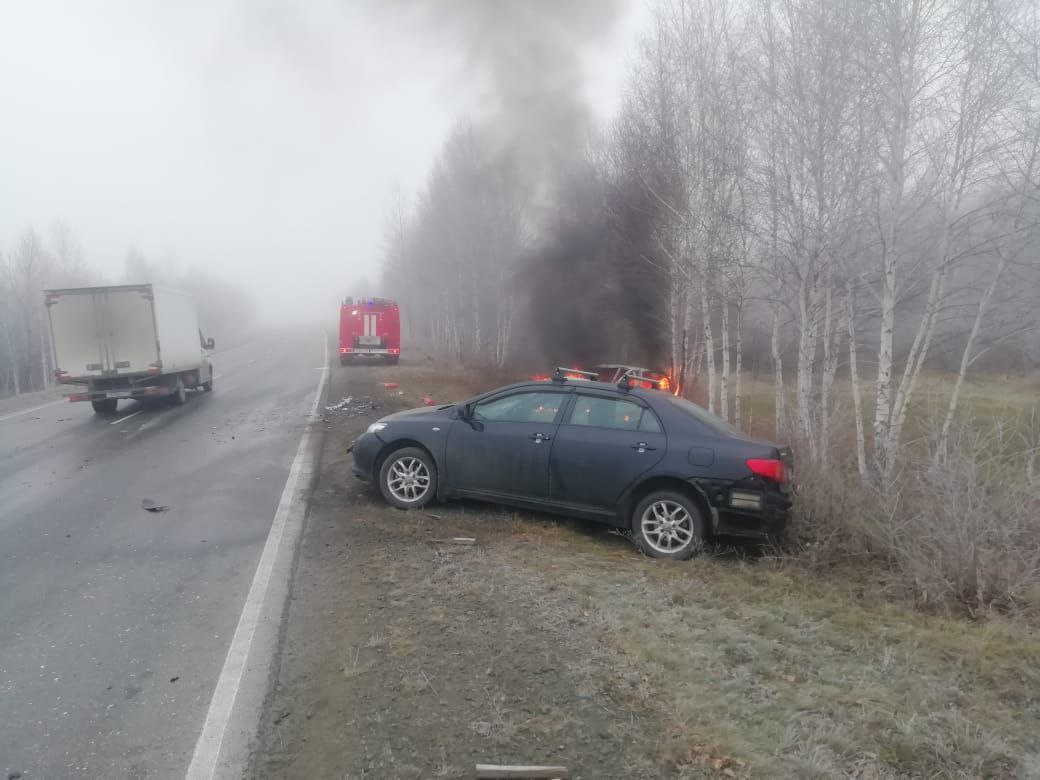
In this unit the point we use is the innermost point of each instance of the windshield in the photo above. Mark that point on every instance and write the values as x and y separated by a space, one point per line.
703 416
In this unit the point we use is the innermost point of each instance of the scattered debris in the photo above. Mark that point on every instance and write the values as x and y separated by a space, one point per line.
341 405
427 401
499 771
390 385
150 506
431 514
175 679
464 540
354 407
282 716
481 727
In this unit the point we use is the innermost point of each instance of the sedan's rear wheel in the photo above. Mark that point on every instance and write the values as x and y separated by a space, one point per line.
408 478
667 524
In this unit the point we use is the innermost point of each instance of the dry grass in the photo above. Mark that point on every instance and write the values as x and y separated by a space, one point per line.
806 666
791 674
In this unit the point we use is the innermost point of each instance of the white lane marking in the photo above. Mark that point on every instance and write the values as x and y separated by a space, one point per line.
205 761
217 376
33 409
124 419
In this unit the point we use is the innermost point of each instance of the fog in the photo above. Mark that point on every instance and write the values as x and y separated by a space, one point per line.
264 141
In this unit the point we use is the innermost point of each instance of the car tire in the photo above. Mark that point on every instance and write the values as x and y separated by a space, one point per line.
668 524
408 478
106 406
180 394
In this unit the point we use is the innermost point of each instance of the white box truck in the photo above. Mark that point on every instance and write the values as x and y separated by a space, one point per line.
128 341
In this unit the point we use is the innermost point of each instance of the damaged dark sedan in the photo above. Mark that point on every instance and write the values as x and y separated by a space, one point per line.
641 460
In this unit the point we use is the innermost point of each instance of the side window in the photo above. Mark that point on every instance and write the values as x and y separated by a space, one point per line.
649 423
521 407
598 412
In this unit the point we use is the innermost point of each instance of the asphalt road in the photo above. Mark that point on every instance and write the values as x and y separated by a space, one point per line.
114 621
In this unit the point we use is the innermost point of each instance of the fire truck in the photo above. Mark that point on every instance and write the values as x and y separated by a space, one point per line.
369 328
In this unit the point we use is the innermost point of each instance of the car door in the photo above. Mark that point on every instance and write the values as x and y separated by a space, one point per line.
601 448
503 448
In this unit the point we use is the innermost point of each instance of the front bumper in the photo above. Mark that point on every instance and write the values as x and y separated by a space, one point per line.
365 451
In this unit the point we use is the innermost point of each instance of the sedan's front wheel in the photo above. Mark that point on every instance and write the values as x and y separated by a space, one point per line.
667 524
408 478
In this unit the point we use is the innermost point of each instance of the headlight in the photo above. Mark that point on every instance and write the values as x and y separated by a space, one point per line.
376 427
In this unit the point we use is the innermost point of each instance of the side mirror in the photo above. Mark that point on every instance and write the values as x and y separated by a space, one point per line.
209 344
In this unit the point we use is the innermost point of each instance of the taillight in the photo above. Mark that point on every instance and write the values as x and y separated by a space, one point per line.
79 397
768 468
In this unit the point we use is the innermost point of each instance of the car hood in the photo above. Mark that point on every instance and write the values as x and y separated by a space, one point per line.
421 413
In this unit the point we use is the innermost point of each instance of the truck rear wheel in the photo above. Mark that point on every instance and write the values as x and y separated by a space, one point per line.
106 406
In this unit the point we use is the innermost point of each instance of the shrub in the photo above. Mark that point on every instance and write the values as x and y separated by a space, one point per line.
963 529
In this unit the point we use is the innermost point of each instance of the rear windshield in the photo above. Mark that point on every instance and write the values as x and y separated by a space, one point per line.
703 416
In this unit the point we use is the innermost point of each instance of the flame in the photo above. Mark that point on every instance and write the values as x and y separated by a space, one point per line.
540 377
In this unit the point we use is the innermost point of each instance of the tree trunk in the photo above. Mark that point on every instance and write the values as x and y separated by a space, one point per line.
830 368
807 338
857 401
918 353
883 386
779 412
966 361
739 362
724 379
709 344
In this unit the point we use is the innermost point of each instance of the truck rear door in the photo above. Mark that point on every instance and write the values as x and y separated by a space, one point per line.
129 330
78 346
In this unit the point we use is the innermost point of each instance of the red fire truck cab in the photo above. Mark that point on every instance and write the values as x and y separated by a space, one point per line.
369 328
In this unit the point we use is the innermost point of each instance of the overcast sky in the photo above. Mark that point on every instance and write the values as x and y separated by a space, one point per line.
261 139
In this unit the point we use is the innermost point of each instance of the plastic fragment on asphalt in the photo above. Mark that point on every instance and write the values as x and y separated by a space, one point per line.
150 506
427 401
390 385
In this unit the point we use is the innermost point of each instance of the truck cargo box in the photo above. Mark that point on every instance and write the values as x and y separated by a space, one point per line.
123 330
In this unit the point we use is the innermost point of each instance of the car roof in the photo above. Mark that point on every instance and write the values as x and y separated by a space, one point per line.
578 383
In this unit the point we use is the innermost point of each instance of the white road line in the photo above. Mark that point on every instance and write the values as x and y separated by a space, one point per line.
206 761
33 409
124 419
217 376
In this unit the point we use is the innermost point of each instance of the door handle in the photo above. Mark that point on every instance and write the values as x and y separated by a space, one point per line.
643 447
539 437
